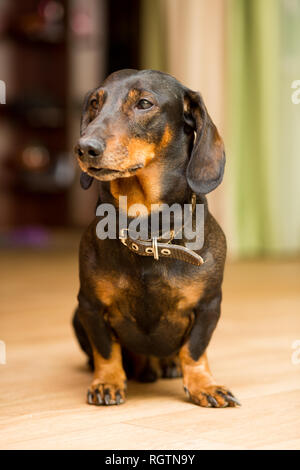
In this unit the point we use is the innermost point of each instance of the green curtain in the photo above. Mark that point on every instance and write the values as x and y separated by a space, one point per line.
289 163
263 124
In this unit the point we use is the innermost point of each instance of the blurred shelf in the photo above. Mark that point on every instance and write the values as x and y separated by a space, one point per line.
33 41
37 117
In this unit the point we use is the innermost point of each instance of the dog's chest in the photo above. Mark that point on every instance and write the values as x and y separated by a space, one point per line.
149 309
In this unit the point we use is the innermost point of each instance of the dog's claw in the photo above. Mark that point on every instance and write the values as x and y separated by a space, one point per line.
231 400
90 397
119 399
107 397
105 394
98 397
211 400
212 397
234 400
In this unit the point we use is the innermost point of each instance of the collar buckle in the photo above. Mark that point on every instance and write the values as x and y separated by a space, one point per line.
122 235
155 248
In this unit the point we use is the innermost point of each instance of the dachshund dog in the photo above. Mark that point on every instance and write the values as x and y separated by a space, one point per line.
146 311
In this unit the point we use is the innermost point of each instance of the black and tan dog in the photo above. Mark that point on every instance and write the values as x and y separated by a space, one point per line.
147 137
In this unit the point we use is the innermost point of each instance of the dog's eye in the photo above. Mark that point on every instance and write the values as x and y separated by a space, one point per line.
94 103
144 104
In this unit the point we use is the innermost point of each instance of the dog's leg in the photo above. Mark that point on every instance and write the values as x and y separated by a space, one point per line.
149 370
109 384
170 367
198 382
140 367
83 338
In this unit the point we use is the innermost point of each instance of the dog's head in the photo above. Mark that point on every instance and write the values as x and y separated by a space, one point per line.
137 118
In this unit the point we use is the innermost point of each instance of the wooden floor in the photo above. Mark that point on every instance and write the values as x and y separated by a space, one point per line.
44 382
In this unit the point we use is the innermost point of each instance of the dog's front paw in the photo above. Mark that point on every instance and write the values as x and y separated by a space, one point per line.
211 396
106 394
171 369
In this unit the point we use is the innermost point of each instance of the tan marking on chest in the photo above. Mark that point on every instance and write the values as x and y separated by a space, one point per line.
108 288
188 292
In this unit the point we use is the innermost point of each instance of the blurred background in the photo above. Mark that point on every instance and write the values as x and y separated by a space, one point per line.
243 55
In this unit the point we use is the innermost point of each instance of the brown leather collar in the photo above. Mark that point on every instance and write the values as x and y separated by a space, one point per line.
158 249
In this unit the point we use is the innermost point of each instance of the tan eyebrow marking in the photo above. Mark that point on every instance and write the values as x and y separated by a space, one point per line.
131 97
134 93
100 95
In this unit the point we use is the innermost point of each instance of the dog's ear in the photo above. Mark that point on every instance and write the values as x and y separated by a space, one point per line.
206 166
85 180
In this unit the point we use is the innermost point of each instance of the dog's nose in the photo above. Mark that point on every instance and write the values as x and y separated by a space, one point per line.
90 147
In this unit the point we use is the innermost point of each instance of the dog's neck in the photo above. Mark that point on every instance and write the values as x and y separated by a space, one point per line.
138 189
143 190
146 188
